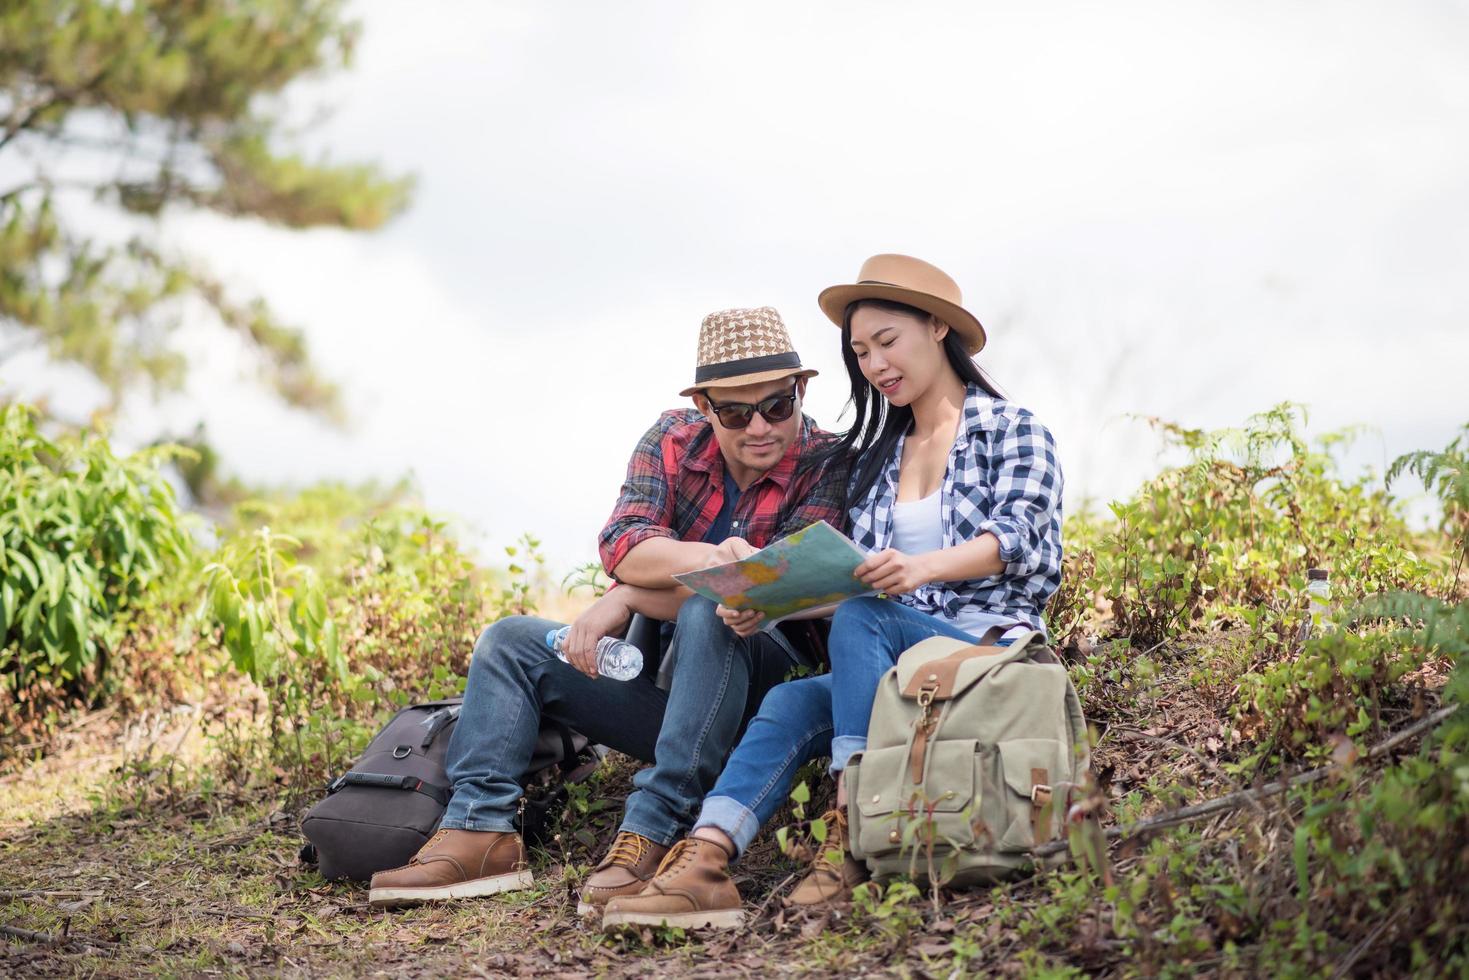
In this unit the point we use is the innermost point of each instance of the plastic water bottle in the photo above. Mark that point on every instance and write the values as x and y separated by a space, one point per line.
616 658
1318 601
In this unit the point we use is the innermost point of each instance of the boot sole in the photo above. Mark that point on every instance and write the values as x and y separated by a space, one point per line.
584 907
715 919
475 888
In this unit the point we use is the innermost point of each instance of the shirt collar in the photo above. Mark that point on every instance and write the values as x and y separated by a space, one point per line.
981 412
706 457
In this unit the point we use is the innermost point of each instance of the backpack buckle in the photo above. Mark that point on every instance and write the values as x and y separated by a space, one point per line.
925 706
1038 791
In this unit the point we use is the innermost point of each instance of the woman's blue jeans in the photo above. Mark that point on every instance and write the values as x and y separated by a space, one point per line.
811 717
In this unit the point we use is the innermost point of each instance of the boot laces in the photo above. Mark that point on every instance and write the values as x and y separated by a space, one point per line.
627 850
438 836
675 858
836 841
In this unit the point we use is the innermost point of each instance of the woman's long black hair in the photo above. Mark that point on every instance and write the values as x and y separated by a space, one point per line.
877 426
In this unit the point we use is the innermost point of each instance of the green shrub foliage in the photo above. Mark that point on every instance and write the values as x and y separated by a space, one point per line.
1225 539
1182 614
367 605
85 536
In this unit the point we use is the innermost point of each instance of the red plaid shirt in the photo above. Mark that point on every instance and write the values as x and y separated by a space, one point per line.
675 489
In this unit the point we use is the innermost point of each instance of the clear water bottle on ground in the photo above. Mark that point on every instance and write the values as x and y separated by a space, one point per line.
1318 601
616 658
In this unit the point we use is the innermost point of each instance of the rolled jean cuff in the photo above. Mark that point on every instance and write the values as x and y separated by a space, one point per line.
731 816
843 747
661 836
491 824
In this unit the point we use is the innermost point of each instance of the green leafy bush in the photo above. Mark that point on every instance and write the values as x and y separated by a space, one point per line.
1342 681
1226 539
373 606
1446 475
85 535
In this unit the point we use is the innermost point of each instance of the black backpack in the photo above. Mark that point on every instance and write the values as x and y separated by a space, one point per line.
379 813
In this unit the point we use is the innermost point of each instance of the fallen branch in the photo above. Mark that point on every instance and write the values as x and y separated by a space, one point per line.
1246 797
1179 746
50 939
31 937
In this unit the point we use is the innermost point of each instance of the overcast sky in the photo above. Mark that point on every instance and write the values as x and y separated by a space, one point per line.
1179 209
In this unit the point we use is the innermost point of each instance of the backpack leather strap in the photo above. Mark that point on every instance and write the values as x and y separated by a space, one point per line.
1040 805
939 676
918 751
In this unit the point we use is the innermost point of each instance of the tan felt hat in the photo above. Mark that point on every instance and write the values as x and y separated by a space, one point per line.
904 279
744 347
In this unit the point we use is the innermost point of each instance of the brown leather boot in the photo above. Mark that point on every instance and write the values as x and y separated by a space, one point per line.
692 890
625 870
831 879
454 864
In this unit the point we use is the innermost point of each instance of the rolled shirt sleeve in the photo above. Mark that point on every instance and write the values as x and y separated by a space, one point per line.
1026 512
644 507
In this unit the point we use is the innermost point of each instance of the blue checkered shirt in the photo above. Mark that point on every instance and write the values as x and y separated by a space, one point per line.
1003 477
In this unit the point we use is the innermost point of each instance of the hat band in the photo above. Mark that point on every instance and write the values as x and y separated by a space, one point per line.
747 365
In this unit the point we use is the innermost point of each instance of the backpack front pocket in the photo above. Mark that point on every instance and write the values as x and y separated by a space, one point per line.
891 814
1027 768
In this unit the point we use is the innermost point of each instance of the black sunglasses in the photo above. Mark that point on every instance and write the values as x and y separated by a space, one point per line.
737 415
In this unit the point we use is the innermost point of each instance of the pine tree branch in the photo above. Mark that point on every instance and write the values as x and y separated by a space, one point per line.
17 126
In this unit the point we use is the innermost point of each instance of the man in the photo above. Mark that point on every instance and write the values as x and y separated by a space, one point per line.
704 487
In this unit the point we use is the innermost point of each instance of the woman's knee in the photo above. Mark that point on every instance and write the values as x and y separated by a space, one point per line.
863 612
805 702
856 627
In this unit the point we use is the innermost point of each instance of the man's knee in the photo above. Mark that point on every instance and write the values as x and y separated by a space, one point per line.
511 637
697 615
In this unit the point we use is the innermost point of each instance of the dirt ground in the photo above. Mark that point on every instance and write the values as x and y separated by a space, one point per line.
105 872
118 857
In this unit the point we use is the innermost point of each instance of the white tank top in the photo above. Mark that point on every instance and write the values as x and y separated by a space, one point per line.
918 525
918 528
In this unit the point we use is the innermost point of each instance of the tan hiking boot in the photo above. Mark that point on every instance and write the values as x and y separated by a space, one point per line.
692 890
625 870
454 864
831 879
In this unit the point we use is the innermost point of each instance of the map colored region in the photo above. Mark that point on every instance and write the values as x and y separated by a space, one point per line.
812 567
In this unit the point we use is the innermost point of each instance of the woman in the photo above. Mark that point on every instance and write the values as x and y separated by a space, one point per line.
956 495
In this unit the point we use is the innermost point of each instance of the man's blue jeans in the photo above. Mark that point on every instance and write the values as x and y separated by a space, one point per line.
815 716
719 681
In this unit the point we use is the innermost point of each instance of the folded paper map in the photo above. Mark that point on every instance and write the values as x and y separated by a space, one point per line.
810 568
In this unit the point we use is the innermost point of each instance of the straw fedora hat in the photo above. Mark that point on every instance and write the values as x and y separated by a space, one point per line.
904 279
744 347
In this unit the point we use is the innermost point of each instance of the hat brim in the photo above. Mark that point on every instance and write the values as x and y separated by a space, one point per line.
834 301
759 377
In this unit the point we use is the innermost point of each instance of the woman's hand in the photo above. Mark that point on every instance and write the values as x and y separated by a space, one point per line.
744 622
894 572
607 616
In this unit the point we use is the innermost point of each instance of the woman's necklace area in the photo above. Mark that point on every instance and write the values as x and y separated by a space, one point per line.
925 461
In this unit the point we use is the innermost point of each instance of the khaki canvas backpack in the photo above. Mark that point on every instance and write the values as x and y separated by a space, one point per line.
972 755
